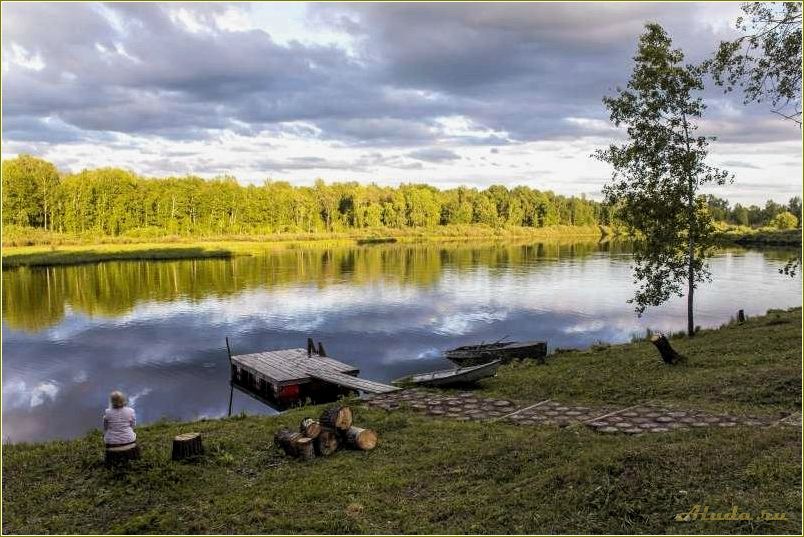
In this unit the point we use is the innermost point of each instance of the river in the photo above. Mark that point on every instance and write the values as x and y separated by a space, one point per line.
155 329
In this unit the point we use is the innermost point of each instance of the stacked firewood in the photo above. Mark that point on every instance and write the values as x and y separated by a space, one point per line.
324 436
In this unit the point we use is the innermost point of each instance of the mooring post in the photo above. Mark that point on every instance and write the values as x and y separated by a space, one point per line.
310 346
321 351
231 386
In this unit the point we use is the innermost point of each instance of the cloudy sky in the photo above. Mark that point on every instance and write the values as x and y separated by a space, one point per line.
441 93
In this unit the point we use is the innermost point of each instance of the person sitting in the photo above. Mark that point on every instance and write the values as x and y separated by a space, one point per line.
118 430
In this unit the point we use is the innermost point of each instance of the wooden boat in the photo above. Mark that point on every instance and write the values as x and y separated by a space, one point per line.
504 351
445 377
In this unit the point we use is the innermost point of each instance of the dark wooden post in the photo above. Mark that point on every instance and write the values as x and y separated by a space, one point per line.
231 386
310 346
741 316
321 351
231 393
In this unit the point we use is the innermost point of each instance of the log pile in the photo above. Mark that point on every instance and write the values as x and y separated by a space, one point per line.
323 437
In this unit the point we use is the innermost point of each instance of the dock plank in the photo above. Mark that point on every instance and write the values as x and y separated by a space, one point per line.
356 383
295 366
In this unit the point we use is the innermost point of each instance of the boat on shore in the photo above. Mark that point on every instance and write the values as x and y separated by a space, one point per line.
503 351
446 377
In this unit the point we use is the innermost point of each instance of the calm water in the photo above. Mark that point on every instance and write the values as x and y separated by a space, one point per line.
156 329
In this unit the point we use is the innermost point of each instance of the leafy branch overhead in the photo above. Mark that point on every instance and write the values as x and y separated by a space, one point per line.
765 62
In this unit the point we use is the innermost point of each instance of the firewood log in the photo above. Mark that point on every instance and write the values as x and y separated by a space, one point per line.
362 439
326 443
294 444
310 427
337 417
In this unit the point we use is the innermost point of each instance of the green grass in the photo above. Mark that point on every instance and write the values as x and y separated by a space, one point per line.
766 236
742 368
439 476
426 476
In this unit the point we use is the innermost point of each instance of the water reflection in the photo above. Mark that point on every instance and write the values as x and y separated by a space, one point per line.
156 329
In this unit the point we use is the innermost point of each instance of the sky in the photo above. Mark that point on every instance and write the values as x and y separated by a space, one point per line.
447 94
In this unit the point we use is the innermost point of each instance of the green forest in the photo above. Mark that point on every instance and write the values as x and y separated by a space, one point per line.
113 201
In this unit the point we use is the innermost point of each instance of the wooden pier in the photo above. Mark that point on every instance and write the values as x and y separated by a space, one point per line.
291 374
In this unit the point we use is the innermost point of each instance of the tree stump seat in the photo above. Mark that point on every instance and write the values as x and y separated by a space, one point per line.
121 453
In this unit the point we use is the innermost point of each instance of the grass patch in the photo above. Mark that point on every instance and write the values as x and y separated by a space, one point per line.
747 368
426 476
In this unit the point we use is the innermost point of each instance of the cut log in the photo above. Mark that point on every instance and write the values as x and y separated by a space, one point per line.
121 455
186 446
326 443
294 444
337 417
741 316
358 438
304 448
669 354
310 427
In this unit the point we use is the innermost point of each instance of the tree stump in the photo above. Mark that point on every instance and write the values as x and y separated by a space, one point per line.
741 316
326 443
669 354
337 417
121 455
186 446
362 439
294 444
310 427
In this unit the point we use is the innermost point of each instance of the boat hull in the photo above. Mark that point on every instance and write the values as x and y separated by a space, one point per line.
480 354
447 377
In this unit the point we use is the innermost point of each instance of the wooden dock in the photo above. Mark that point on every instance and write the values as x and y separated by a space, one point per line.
295 373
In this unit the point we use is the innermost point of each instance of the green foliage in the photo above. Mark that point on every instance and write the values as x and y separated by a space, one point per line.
784 220
659 171
29 187
115 202
766 61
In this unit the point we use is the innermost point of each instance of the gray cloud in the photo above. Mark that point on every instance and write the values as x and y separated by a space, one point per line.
519 72
434 154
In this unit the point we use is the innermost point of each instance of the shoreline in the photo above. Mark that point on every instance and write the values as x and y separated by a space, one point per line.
74 250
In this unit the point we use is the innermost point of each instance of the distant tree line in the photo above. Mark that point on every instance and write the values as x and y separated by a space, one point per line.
114 201
772 214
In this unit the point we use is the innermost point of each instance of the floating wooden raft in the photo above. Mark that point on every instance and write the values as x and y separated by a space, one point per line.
288 368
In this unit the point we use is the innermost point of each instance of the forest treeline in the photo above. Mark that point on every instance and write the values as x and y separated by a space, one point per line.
113 202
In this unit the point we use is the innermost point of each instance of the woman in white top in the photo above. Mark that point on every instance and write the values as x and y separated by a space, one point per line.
118 426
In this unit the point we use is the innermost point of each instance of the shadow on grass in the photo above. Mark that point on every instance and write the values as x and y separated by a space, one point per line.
57 257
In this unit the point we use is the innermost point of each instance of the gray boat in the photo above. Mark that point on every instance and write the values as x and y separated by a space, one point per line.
445 377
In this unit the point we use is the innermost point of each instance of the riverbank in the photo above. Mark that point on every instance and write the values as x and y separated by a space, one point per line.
42 248
432 475
745 236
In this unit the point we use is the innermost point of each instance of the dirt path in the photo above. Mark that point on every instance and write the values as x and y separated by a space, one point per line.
642 418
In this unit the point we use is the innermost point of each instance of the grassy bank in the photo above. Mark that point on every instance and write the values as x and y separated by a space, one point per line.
747 236
32 248
750 368
439 476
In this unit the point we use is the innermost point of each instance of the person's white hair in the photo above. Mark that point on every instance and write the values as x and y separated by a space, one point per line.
117 399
